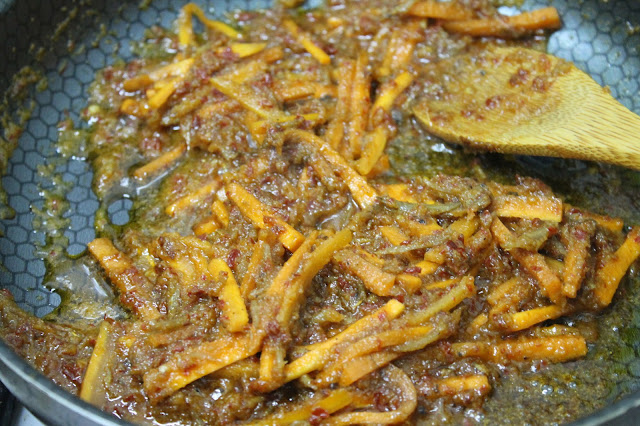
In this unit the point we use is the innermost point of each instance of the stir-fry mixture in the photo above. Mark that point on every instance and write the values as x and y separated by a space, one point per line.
277 267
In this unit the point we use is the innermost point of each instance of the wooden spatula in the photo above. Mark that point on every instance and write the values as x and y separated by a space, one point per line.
521 101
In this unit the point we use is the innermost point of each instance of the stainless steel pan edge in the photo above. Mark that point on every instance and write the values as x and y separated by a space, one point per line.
602 37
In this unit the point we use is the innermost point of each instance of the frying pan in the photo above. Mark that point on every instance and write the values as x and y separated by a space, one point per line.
68 41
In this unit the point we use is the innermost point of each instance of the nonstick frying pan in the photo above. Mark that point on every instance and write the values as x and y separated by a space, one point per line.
68 41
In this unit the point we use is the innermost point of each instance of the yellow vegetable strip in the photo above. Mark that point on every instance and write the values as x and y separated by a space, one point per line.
450 10
610 223
192 198
374 278
305 40
234 310
318 354
161 96
336 400
337 126
507 26
552 349
525 319
246 97
390 91
198 361
410 283
310 266
206 226
129 281
393 234
362 192
359 106
406 403
256 212
220 212
478 384
137 108
529 207
247 49
259 128
249 280
174 69
533 263
608 277
465 288
373 150
373 343
359 367
160 163
578 250
93 386
185 26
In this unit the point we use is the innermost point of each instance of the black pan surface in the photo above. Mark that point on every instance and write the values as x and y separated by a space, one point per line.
68 41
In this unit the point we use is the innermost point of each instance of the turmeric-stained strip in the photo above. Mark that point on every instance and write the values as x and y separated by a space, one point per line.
410 283
305 40
463 289
233 308
522 320
247 98
359 367
254 66
93 388
242 50
256 211
552 349
335 401
135 107
359 106
198 361
221 213
449 10
507 26
476 384
129 281
206 226
390 91
294 90
533 263
309 267
373 150
405 403
529 207
259 128
249 280
503 290
318 354
575 261
374 343
399 192
374 278
360 189
394 235
185 26
608 277
160 96
613 224
160 163
192 198
338 124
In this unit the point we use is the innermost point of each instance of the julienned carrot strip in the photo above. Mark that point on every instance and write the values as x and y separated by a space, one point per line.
234 309
440 10
305 40
192 198
360 189
161 162
256 211
507 26
126 277
608 277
